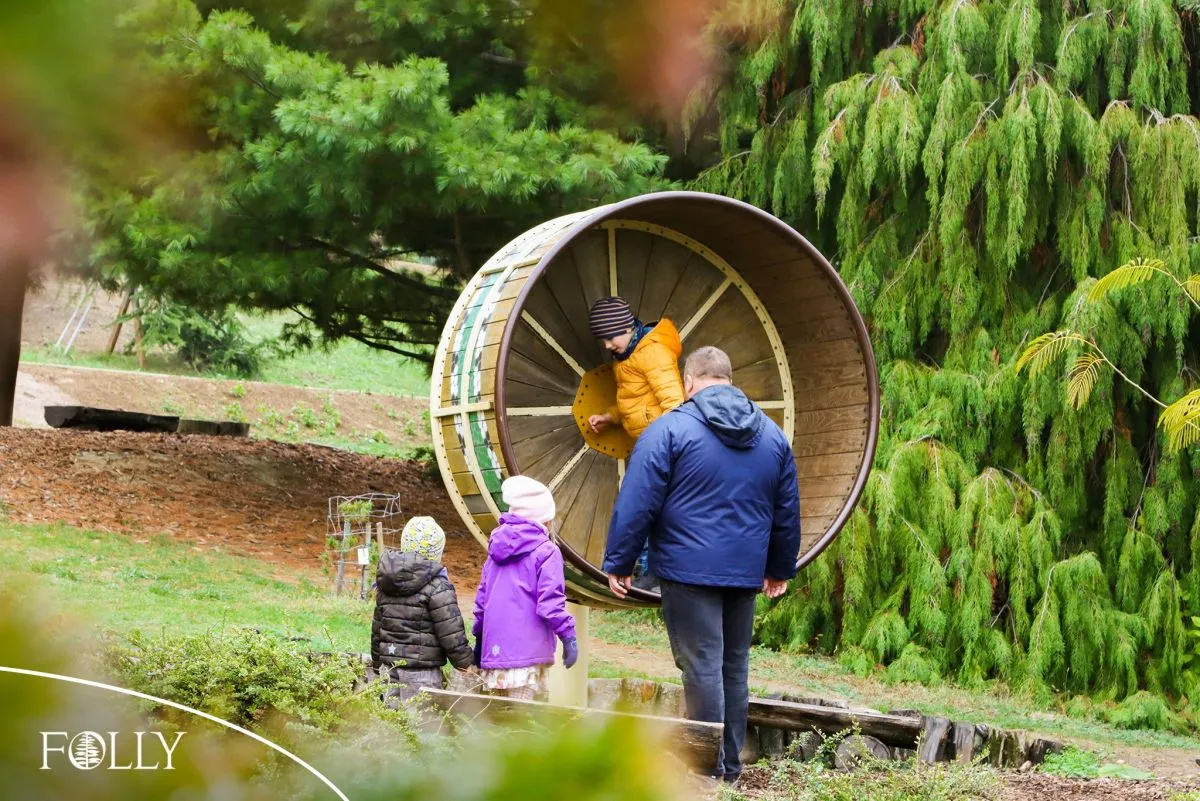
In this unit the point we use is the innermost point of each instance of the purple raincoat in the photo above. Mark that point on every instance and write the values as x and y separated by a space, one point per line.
522 595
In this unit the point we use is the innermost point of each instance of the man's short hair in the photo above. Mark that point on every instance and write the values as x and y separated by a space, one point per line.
708 362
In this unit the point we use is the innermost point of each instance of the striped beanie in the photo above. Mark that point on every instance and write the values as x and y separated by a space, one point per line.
424 537
610 317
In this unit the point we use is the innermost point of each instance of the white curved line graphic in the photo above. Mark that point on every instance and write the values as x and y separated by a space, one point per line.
165 702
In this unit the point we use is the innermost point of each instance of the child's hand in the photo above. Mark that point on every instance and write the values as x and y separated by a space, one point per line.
599 422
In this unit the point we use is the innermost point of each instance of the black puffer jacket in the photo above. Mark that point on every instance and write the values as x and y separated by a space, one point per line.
417 621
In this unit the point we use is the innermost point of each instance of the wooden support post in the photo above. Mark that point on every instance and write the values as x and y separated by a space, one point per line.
137 340
931 739
12 305
116 332
570 687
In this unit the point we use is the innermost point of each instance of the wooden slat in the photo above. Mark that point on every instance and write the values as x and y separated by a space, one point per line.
732 327
819 443
819 379
696 743
700 316
759 380
543 304
834 398
843 464
577 526
605 487
806 329
589 258
562 281
565 471
518 394
839 419
522 368
535 349
823 506
530 452
700 279
634 249
668 263
546 337
826 486
555 450
523 428
571 488
825 354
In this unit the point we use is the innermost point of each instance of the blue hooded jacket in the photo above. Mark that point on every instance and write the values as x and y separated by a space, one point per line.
712 485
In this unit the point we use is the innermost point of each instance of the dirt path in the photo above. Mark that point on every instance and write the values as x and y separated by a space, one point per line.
33 394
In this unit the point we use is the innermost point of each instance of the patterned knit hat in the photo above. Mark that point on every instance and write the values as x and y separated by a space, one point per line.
610 317
424 537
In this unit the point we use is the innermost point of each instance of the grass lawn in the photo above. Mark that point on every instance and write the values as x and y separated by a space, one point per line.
157 584
347 365
161 585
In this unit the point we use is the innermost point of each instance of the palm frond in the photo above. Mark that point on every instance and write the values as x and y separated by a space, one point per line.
1135 272
1192 287
1045 349
1181 421
1081 379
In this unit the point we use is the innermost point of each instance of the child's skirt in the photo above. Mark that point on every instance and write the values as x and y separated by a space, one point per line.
523 683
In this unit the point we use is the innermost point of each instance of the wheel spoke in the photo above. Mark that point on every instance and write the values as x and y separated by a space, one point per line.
705 308
540 411
612 261
552 342
568 467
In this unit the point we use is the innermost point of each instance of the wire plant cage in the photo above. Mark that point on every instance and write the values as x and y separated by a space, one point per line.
360 528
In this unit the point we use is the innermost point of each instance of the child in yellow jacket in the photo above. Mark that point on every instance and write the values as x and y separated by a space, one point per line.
646 368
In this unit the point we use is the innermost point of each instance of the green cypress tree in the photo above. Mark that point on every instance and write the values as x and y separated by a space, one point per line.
973 167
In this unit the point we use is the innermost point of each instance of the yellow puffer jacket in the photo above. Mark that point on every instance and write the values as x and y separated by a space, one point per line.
648 382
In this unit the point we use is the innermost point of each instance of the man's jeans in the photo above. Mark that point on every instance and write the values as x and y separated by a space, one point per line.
710 629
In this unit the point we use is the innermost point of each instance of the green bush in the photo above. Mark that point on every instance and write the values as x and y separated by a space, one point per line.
216 342
244 677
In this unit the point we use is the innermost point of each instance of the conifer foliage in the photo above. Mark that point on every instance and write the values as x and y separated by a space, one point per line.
976 168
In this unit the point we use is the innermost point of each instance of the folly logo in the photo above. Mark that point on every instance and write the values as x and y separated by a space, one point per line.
88 750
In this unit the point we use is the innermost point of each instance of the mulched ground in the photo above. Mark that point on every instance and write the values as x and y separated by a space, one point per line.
258 498
755 783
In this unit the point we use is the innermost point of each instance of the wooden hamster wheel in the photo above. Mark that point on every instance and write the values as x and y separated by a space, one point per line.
517 372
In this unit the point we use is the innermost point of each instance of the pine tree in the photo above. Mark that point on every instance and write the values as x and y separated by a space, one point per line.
975 169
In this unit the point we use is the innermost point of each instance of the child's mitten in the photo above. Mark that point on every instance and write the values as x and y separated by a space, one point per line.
570 651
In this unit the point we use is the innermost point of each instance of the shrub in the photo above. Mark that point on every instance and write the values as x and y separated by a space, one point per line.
243 677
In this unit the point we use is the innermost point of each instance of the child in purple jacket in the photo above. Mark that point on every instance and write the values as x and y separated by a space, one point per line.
521 604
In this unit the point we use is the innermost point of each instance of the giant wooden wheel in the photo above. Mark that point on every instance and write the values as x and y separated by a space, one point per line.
517 372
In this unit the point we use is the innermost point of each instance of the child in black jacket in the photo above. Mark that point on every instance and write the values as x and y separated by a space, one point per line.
417 625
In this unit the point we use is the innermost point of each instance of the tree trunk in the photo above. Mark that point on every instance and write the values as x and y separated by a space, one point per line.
12 305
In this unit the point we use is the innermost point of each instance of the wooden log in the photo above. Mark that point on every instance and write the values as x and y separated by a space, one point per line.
92 419
695 742
890 729
933 732
859 749
964 742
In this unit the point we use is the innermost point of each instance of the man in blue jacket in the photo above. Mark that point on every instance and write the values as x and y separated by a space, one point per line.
712 486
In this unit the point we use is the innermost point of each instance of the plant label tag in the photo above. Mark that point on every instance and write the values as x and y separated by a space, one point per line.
364 556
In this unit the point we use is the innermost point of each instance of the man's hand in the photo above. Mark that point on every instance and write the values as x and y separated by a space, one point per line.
599 422
619 585
773 588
